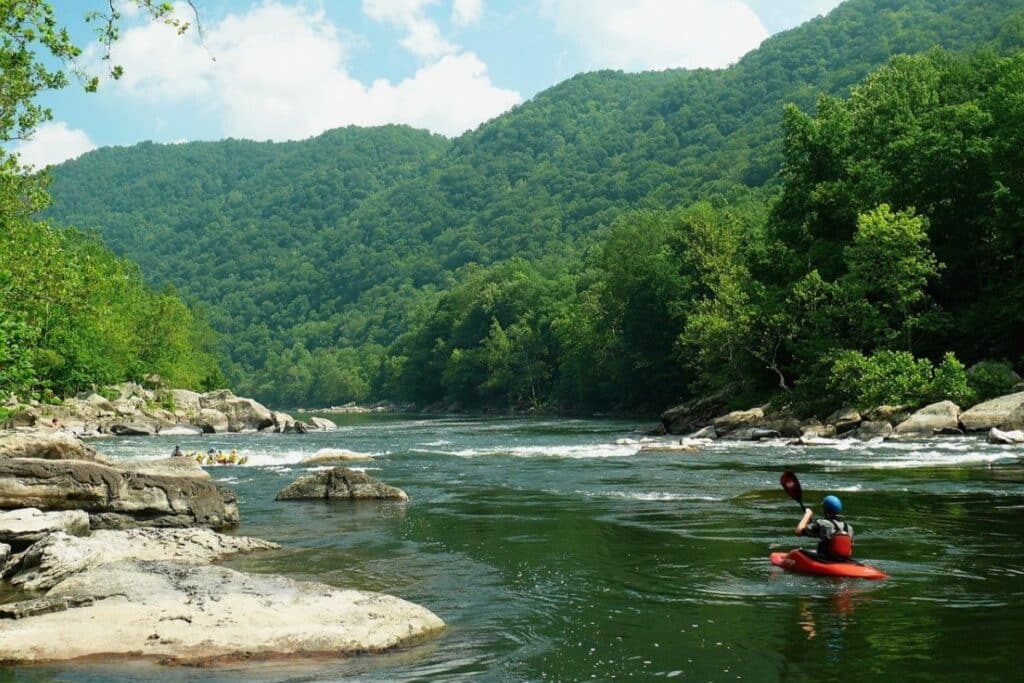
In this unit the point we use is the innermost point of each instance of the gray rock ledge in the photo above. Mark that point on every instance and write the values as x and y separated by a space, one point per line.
181 613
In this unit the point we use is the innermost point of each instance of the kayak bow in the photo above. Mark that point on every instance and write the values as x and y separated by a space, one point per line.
801 562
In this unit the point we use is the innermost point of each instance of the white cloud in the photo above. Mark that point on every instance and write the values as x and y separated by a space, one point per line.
52 143
423 36
656 34
280 74
467 12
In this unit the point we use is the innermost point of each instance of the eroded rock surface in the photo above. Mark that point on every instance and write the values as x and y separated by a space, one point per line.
49 446
58 556
183 613
113 497
26 526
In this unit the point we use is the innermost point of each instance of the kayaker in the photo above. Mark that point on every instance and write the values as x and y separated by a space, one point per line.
834 534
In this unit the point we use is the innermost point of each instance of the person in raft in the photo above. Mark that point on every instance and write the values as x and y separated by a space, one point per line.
834 534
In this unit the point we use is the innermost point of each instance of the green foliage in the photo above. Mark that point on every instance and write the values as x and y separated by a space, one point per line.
951 383
989 379
884 378
351 239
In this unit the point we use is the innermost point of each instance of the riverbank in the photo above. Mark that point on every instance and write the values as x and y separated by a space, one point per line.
1001 417
130 409
129 546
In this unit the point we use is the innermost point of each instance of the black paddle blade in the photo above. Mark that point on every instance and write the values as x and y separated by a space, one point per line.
792 486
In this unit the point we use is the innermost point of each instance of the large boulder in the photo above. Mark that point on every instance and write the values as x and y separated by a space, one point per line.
868 430
244 414
692 415
283 422
181 429
814 429
211 421
886 413
186 403
139 425
180 613
999 412
25 526
113 497
737 420
932 419
322 424
340 483
844 419
44 445
58 556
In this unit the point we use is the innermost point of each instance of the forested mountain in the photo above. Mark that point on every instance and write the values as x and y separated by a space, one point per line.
373 262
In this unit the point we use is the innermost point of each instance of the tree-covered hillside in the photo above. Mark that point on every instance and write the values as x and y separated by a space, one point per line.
318 264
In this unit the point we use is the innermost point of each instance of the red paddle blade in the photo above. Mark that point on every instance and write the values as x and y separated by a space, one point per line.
792 486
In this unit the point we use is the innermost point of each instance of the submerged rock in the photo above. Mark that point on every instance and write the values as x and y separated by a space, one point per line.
186 614
997 436
325 456
341 483
683 446
58 556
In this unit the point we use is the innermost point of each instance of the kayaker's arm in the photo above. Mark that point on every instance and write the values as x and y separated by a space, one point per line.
804 521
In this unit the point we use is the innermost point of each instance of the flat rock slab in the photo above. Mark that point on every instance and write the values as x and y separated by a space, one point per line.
114 497
186 614
340 483
27 525
46 445
58 556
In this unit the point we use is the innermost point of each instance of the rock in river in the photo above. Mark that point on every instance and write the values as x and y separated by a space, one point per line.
340 483
58 556
1004 412
186 614
113 497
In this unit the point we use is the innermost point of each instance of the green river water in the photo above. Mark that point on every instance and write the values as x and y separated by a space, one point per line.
554 554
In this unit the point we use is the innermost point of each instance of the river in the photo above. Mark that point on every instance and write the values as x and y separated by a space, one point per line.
555 555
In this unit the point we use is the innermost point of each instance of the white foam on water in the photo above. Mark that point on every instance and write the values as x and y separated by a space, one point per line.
579 452
439 442
920 459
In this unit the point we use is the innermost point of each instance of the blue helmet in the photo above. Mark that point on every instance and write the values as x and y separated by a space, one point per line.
832 505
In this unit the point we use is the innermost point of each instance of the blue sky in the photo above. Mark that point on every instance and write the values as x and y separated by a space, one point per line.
290 69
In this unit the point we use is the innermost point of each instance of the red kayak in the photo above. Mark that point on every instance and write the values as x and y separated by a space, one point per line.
801 562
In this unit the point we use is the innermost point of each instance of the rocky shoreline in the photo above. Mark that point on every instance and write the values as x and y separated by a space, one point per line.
1002 418
115 559
130 409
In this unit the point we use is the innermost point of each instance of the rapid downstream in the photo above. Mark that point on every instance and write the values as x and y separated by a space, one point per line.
554 554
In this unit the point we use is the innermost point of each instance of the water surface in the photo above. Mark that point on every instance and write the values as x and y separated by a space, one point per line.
554 554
